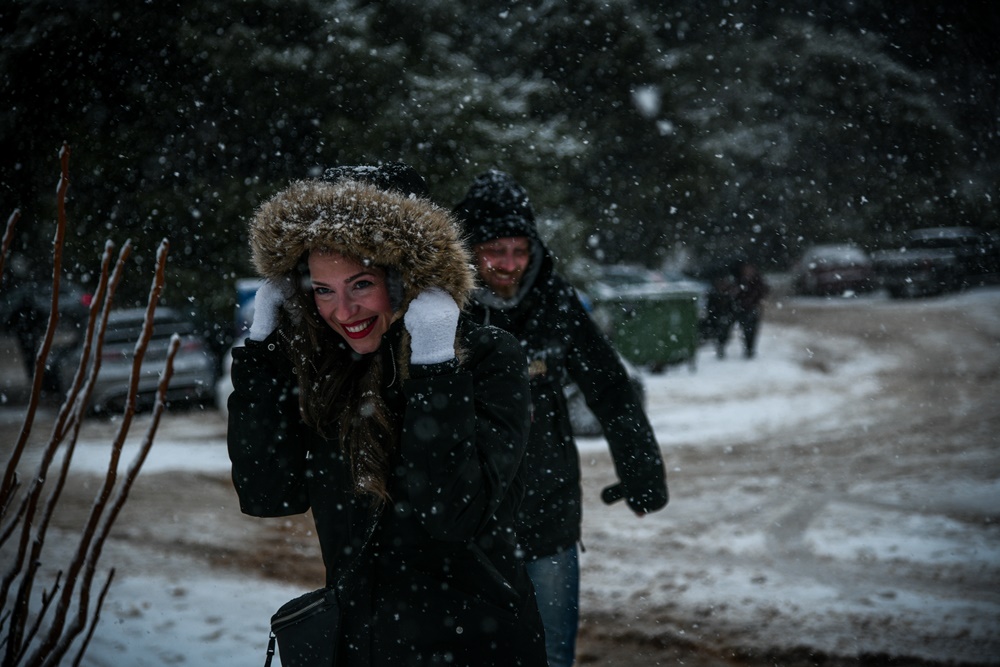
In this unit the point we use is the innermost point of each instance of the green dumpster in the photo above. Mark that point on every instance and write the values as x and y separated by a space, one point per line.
655 329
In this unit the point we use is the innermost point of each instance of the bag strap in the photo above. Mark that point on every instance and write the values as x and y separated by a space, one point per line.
270 651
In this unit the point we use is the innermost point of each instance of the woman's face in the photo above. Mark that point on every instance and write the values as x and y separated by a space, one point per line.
352 298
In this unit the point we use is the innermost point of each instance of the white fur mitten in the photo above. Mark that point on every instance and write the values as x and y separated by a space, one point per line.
270 297
432 320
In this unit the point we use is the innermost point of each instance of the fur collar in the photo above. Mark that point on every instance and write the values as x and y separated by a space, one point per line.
414 236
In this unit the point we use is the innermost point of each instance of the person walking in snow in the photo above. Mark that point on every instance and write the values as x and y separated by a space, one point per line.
367 398
749 290
719 315
522 293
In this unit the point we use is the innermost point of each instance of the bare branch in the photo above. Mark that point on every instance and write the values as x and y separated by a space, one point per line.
47 599
49 643
104 293
95 620
41 526
43 353
18 619
50 331
100 503
93 557
9 483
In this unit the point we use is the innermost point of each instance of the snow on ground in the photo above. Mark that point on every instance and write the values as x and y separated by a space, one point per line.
724 400
766 545
189 618
189 614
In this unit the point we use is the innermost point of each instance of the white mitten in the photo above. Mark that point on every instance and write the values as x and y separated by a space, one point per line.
270 296
432 320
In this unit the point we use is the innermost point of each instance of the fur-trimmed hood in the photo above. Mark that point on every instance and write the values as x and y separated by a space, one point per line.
418 239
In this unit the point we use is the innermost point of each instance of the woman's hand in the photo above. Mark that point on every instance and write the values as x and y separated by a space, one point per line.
432 320
270 297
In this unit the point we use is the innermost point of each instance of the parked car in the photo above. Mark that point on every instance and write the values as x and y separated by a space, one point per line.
977 254
194 374
833 269
934 260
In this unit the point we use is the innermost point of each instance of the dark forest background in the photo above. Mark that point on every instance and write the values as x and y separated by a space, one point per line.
650 132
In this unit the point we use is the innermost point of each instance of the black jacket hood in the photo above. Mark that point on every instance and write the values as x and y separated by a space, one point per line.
496 206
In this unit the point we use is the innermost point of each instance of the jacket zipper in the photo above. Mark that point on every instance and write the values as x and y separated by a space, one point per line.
299 612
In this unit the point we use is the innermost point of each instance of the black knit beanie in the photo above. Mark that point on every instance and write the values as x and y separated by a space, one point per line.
496 207
393 176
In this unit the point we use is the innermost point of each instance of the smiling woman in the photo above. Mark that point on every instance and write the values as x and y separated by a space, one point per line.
368 400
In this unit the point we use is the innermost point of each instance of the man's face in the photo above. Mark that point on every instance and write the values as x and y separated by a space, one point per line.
502 263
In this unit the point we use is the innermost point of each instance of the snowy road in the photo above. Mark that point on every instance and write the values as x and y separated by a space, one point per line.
836 497
834 500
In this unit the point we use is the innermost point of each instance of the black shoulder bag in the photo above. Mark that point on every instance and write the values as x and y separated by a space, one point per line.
307 629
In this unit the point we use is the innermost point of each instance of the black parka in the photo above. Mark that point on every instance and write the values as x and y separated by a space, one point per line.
562 343
441 580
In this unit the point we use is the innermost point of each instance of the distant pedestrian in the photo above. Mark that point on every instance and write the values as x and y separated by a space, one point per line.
719 312
748 294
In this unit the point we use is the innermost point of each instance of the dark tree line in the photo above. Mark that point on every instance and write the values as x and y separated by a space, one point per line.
640 128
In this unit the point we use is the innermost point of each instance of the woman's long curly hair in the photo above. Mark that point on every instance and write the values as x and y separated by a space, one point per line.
340 393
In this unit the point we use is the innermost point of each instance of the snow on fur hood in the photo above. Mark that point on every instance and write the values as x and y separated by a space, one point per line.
419 239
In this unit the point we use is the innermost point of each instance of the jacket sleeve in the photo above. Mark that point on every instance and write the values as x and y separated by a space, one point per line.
596 368
264 437
465 429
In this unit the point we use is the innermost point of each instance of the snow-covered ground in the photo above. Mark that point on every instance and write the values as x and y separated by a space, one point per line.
705 554
838 495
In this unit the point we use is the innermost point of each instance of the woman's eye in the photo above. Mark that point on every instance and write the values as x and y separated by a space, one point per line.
321 291
363 284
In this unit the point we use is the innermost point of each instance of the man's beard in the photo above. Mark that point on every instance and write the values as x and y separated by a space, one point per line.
507 291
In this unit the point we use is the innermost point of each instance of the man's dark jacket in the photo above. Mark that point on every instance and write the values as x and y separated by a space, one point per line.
562 343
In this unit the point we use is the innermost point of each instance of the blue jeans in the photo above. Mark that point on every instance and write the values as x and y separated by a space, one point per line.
556 579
